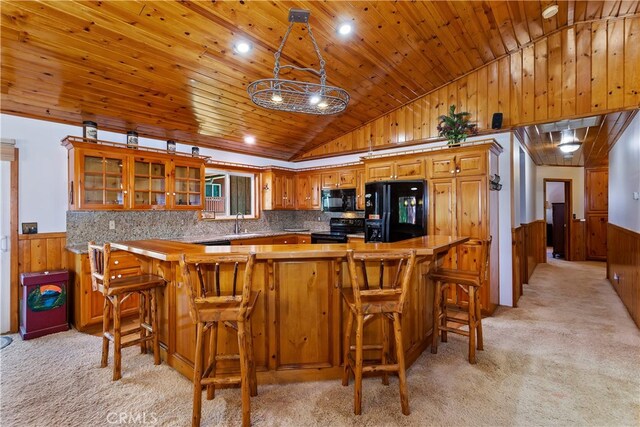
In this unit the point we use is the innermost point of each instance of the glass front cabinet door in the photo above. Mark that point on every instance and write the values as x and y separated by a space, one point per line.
103 182
187 185
150 183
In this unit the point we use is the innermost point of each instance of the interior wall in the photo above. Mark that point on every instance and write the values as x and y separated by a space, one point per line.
575 174
524 185
624 178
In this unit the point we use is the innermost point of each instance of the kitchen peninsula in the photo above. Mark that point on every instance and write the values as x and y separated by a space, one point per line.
297 323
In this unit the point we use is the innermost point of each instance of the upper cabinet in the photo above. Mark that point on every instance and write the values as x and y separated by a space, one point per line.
459 164
278 190
339 178
111 176
394 168
307 187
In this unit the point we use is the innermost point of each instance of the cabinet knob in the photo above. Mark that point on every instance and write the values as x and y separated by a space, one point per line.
452 171
125 191
168 194
119 276
113 277
116 262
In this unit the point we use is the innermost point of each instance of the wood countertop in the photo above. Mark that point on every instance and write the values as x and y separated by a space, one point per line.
167 250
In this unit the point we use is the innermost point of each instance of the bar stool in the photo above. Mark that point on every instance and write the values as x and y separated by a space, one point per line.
470 282
394 269
212 301
117 290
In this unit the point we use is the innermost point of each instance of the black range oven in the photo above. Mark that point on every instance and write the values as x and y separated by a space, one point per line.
340 227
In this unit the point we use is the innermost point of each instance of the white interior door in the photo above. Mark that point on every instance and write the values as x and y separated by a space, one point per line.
5 246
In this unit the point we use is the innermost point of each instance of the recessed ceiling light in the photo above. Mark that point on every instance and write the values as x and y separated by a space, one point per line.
550 11
242 47
314 99
250 139
345 28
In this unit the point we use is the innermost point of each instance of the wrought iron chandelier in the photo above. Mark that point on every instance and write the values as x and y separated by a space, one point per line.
297 96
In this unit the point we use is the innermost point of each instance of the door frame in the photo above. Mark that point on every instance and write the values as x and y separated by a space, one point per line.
14 308
568 211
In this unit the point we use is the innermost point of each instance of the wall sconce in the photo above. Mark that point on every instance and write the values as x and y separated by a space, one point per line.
494 183
266 187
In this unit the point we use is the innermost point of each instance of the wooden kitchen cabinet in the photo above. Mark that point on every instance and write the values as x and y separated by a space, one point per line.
307 191
458 164
394 168
360 187
461 204
88 304
111 176
278 190
339 178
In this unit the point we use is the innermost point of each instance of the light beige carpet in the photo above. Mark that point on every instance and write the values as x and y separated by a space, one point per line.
569 355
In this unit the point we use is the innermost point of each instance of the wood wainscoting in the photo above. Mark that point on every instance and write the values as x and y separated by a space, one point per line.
39 252
577 236
623 267
519 262
535 248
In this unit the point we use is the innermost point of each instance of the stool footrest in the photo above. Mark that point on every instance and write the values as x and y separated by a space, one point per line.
367 347
220 380
454 330
380 368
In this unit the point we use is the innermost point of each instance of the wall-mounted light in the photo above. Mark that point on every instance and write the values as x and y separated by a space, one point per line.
494 183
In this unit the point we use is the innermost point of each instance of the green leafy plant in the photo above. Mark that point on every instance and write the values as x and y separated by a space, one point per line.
455 126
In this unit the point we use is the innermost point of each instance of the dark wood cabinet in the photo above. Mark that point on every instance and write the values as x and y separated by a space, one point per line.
558 230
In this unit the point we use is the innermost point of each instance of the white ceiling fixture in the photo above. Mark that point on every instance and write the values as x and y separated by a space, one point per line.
242 47
345 28
297 96
550 11
250 139
569 142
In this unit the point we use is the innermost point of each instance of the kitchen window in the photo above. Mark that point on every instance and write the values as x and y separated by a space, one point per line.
228 193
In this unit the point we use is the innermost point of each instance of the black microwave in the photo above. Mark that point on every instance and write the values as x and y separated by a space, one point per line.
339 200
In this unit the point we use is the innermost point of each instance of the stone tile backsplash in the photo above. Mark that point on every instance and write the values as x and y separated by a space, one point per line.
136 225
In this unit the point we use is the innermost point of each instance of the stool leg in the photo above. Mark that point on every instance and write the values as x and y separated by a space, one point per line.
142 311
197 377
154 294
357 389
105 329
472 325
436 317
245 387
443 311
213 352
117 339
402 377
346 349
479 320
253 382
385 348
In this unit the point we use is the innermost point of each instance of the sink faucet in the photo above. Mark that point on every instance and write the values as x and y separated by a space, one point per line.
236 228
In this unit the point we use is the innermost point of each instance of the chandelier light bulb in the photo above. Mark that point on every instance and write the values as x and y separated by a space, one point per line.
314 99
322 104
276 97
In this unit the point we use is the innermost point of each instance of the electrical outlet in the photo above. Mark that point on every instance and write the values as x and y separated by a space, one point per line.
616 277
636 195
112 225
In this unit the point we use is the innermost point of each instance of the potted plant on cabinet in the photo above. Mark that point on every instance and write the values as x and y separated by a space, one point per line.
456 127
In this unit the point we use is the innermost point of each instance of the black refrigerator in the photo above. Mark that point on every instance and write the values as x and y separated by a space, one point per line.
395 210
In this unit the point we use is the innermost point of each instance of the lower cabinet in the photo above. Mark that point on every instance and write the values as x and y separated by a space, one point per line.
88 304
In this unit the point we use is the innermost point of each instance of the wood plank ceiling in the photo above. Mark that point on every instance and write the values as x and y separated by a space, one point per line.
169 71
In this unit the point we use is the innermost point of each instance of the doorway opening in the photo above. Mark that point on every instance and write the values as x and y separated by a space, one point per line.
558 211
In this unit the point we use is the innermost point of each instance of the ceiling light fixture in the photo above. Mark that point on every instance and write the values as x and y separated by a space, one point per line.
250 139
569 142
297 96
550 11
345 28
242 47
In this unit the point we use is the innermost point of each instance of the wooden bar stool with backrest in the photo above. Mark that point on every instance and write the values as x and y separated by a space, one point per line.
470 282
116 291
385 301
213 300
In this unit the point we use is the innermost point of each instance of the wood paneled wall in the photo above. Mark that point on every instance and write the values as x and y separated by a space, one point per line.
535 249
585 69
519 266
38 252
577 238
623 262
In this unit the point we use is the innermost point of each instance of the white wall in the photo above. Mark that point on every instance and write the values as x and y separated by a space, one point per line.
624 178
505 218
555 194
575 174
523 189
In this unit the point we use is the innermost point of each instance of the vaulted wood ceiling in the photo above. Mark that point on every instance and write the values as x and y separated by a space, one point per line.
168 69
